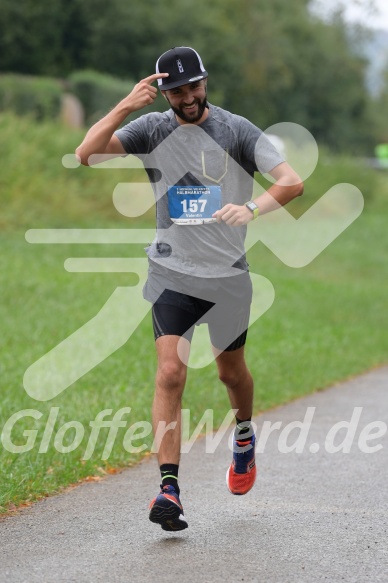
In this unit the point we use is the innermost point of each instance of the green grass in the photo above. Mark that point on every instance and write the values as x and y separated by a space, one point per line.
328 321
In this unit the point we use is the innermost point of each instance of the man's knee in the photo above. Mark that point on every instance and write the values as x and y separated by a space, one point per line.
171 374
233 376
229 377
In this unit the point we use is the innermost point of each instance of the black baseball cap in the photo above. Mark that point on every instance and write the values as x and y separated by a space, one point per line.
183 64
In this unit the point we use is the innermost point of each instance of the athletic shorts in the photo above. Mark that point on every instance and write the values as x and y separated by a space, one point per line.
186 301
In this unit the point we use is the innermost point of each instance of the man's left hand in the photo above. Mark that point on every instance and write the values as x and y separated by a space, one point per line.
234 215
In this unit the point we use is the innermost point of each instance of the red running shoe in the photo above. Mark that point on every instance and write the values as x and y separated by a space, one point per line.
241 474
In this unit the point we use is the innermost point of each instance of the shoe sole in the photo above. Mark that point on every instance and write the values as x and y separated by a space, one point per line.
168 517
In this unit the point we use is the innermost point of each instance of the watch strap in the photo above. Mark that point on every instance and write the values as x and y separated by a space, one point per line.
255 210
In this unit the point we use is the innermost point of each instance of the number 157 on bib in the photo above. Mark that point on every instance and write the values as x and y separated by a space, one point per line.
193 206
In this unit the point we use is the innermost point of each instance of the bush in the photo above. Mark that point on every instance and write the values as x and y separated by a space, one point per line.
97 92
38 97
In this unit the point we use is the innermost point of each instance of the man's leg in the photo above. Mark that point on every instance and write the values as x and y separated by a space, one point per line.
234 373
170 382
166 509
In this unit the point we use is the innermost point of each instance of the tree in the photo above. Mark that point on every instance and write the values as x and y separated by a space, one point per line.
268 60
48 37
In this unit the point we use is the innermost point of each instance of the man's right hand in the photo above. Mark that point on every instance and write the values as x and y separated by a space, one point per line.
143 93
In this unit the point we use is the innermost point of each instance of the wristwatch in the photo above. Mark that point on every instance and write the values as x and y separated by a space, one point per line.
253 207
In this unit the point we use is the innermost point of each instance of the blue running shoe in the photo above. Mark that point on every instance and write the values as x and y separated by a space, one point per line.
166 510
241 474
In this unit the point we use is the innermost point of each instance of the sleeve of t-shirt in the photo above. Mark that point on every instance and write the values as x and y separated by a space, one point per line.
134 137
257 150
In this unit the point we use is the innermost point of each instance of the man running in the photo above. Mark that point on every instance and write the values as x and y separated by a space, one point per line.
200 160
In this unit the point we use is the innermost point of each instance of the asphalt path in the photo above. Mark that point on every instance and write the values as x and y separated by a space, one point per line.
311 516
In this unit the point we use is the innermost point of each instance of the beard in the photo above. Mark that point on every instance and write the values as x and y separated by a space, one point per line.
191 117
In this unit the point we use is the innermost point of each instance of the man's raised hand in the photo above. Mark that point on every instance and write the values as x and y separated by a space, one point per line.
144 93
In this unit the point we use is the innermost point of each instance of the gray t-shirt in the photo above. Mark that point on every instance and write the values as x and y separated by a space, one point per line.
223 153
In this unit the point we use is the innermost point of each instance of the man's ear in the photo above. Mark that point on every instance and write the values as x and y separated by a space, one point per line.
164 95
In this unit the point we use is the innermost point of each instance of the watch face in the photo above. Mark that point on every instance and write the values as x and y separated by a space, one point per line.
251 206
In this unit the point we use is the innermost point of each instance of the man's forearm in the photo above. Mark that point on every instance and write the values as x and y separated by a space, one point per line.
98 137
279 194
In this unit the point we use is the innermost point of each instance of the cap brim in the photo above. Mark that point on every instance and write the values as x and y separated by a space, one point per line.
174 84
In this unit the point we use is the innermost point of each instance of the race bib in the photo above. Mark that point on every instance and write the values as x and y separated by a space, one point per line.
193 205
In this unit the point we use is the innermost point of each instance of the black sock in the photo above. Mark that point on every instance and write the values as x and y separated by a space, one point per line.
244 430
169 473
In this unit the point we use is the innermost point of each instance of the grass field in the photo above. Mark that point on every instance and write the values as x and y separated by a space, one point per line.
328 321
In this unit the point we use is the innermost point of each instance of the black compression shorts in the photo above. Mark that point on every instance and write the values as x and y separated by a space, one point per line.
227 316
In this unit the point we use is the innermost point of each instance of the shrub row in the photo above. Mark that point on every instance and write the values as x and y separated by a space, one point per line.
41 97
38 97
97 92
